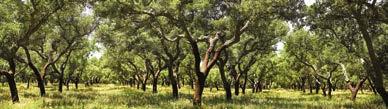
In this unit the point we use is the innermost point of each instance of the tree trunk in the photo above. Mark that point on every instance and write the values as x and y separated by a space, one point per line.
377 74
12 87
236 86
354 90
155 85
216 84
144 86
60 83
198 89
67 83
40 82
317 85
259 87
76 83
329 87
371 86
303 82
138 85
253 85
39 77
61 76
244 85
324 90
226 84
173 81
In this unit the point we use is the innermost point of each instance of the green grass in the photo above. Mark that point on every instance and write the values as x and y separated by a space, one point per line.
124 97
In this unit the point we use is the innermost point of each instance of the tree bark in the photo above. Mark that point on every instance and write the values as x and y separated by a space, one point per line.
354 90
303 82
371 86
11 80
37 74
198 89
60 78
12 87
317 85
236 87
323 89
329 88
173 81
68 83
226 84
76 82
259 87
144 86
244 85
155 86
377 74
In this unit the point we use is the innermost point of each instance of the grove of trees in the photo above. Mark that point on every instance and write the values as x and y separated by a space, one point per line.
229 45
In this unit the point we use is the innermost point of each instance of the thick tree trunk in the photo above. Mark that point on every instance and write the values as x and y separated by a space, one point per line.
60 78
173 81
354 95
155 85
40 83
39 77
244 85
303 82
236 87
317 85
226 84
329 87
60 83
144 86
198 89
324 90
259 87
12 87
354 90
377 74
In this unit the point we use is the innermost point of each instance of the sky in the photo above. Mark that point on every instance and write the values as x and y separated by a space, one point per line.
309 2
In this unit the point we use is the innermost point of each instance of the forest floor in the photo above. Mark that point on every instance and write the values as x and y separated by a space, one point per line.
123 97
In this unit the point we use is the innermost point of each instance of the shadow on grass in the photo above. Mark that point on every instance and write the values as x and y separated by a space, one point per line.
111 96
56 99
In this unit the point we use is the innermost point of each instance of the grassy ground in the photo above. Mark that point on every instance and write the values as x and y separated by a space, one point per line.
123 97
